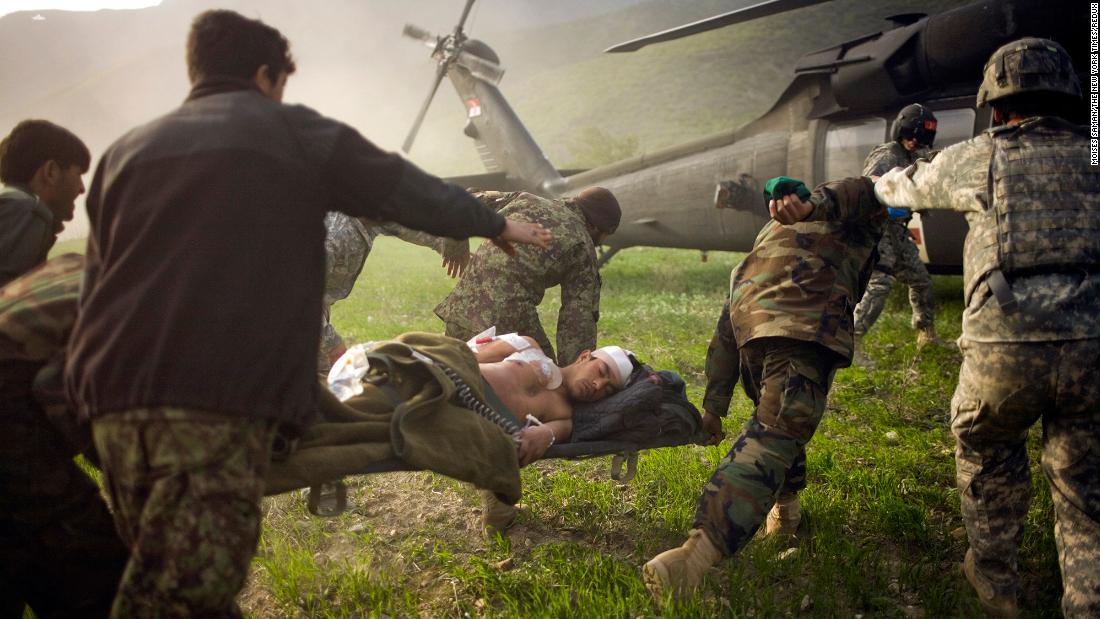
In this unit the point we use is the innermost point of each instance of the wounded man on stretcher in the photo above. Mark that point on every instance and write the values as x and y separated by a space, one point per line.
476 411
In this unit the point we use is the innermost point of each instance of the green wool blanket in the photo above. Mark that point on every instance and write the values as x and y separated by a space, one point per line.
413 417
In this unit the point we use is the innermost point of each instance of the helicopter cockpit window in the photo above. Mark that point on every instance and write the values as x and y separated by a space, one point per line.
953 126
847 145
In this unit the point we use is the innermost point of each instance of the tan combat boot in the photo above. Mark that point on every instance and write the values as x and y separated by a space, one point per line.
784 517
496 515
994 603
927 336
860 356
679 571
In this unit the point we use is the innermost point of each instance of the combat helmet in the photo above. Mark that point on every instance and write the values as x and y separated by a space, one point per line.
1028 65
917 122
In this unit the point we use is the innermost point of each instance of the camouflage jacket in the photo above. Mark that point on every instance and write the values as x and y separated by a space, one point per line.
37 312
1051 306
802 281
499 290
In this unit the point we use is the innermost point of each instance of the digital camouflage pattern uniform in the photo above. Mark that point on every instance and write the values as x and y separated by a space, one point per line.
785 330
61 554
348 243
506 291
898 257
189 483
1030 340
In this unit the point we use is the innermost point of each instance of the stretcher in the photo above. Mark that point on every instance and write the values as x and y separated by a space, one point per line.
330 498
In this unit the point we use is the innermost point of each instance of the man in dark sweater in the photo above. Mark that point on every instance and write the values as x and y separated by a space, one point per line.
197 333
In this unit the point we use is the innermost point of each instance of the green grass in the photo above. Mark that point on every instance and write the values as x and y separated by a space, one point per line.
881 533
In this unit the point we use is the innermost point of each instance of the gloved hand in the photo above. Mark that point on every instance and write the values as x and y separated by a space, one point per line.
781 186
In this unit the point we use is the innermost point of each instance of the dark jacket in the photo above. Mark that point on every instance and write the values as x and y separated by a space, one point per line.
206 257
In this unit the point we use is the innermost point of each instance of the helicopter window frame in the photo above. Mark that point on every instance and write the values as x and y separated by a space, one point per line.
847 144
953 125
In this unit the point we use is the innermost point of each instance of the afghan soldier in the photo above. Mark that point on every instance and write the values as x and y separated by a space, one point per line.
40 166
197 336
61 554
506 292
913 132
785 330
348 242
1031 329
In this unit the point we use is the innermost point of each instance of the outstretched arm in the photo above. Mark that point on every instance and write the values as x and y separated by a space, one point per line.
847 199
580 305
500 348
955 179
455 252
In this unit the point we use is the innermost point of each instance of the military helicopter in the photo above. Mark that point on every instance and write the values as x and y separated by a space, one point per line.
707 194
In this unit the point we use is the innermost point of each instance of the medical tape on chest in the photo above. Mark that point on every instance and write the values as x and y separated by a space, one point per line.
549 372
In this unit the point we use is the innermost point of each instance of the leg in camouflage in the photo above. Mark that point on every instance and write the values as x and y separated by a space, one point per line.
61 554
874 298
789 382
1071 464
186 488
909 270
1003 389
873 302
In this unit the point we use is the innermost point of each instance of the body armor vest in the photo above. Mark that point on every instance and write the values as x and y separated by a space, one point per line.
1043 205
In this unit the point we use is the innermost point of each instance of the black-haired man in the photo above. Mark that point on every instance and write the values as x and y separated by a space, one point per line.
40 165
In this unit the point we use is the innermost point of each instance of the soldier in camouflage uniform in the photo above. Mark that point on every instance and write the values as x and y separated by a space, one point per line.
785 330
348 243
913 132
61 554
505 292
1031 329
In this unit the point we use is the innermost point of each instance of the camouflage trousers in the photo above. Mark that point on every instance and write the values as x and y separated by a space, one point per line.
330 341
1003 390
898 259
59 552
186 489
788 380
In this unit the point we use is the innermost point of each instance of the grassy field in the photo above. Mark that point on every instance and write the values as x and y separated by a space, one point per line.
881 535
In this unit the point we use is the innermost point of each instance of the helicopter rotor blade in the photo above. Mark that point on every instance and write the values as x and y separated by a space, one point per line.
465 14
440 71
756 11
481 68
419 34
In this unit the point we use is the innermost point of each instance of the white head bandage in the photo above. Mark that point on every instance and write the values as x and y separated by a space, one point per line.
619 361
